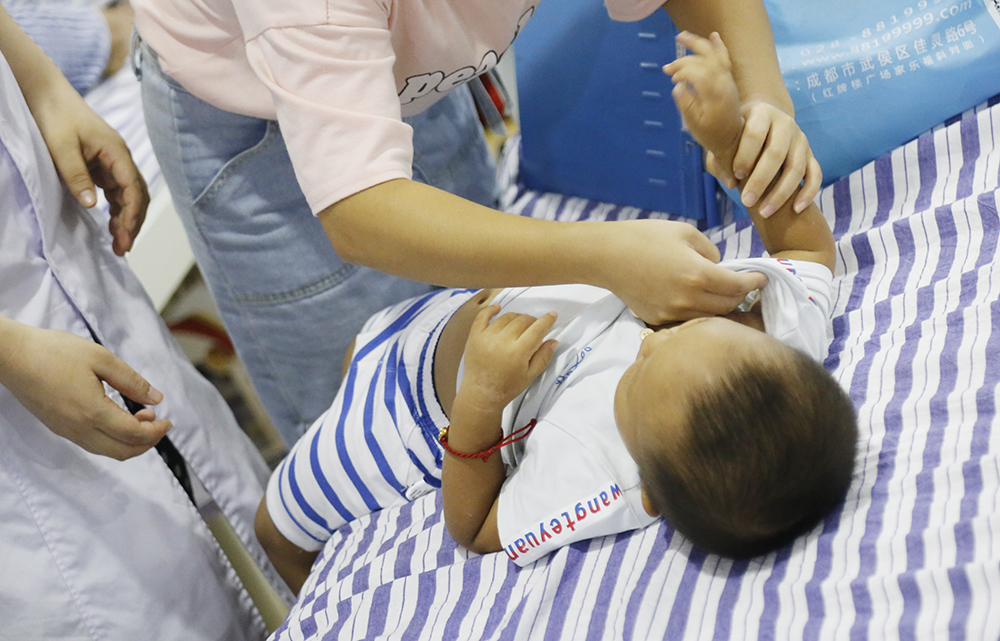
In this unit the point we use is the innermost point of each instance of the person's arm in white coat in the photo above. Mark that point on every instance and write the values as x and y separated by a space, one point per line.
57 376
84 148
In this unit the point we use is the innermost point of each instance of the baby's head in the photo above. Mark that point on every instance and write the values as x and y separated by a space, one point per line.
742 442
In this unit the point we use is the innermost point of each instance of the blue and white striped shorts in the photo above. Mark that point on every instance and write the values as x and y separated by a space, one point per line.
377 444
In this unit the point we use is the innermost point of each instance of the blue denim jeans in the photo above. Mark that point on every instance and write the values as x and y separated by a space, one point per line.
289 303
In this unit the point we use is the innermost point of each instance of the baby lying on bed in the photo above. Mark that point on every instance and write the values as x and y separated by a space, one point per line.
571 419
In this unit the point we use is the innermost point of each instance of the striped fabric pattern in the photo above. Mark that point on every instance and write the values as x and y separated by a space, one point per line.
913 554
377 444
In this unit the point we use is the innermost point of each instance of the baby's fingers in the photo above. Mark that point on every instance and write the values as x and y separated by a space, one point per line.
689 70
681 68
698 45
541 358
540 350
484 317
535 332
686 100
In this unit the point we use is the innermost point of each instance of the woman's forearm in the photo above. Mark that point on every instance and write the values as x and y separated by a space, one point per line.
409 229
746 30
663 270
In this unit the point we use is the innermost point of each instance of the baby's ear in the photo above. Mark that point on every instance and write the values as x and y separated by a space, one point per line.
647 504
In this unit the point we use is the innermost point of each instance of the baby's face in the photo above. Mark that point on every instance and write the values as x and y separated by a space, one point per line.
673 364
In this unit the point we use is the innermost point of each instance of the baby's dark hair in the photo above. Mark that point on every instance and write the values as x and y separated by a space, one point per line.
768 451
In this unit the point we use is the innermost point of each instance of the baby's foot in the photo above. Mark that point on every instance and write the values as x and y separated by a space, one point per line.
706 94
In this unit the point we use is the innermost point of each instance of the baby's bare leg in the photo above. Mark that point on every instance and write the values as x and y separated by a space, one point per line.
706 94
292 562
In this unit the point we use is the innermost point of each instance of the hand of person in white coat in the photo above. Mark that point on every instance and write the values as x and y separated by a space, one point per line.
59 377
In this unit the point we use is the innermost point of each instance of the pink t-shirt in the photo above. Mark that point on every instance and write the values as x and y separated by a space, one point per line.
338 75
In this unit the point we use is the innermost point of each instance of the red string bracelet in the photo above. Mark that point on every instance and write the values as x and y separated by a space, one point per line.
513 437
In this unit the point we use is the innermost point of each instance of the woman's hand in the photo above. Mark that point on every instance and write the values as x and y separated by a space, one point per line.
59 377
775 159
666 271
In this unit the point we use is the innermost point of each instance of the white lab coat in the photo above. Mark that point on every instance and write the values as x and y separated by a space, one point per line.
90 547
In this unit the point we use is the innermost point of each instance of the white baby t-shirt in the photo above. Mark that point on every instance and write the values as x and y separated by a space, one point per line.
572 479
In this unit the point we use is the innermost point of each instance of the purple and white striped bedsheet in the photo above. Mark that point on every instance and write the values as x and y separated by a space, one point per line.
913 554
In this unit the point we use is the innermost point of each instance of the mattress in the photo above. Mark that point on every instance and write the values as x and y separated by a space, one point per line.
914 552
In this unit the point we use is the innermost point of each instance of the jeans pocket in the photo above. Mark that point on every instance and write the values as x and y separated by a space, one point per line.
245 166
193 140
260 229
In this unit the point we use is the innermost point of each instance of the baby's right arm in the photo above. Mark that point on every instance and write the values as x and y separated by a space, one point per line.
707 96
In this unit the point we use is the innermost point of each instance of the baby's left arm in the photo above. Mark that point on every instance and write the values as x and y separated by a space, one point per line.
774 155
501 359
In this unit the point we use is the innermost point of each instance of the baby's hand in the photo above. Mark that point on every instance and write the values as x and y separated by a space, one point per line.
503 357
706 93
